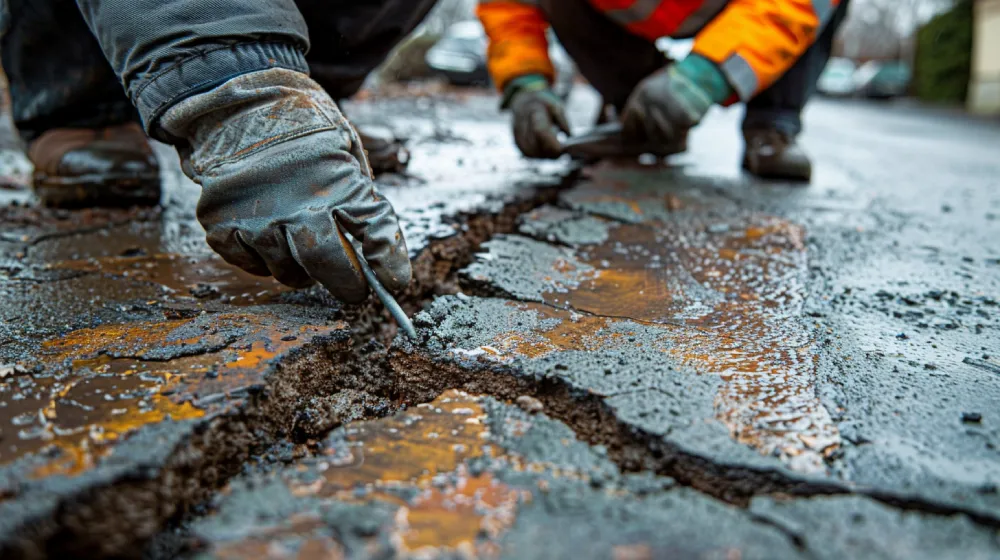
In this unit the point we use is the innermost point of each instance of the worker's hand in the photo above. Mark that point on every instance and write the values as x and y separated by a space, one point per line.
283 175
665 105
538 111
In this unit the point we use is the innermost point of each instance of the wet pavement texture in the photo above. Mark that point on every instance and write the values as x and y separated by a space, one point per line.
646 361
139 371
468 476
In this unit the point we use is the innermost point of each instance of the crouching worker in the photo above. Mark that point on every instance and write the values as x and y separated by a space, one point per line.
768 54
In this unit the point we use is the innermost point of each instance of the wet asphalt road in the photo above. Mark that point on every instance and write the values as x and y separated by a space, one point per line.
651 361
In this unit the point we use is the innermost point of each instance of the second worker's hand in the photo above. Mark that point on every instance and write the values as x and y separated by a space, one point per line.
282 171
672 100
538 116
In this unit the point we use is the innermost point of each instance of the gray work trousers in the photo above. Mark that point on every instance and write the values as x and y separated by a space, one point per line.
101 62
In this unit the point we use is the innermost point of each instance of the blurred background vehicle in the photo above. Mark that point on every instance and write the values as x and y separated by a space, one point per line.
460 57
882 80
837 79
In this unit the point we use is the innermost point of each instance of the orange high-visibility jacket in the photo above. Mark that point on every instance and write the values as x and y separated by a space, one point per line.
753 42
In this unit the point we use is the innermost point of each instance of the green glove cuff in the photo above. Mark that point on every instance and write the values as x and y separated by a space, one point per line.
703 73
528 82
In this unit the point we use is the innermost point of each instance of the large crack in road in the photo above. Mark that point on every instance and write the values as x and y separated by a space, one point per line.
644 364
436 366
208 372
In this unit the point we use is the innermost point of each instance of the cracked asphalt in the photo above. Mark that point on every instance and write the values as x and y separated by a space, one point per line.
642 361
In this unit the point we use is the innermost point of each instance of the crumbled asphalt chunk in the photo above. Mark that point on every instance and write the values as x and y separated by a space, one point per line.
202 291
984 364
972 417
564 227
529 404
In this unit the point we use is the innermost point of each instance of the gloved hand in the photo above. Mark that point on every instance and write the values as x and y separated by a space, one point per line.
672 100
283 176
537 111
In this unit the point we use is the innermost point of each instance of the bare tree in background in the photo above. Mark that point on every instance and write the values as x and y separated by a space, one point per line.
407 60
885 28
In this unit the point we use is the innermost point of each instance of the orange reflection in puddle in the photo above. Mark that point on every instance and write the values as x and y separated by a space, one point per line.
267 543
185 276
728 298
461 512
605 195
100 384
468 517
573 331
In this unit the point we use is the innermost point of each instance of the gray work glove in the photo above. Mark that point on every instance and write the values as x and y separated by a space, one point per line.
537 112
281 169
669 102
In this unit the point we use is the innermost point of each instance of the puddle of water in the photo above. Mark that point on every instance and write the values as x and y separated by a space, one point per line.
74 418
184 276
424 449
638 195
728 297
29 223
468 517
573 331
84 416
268 543
100 384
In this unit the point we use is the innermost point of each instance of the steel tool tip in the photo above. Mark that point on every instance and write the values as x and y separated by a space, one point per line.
383 295
387 300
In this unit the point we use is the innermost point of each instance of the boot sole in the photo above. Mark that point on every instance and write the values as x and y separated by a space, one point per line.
391 159
98 190
801 175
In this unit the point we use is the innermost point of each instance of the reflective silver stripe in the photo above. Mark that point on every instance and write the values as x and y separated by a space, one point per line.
640 10
525 2
823 10
740 75
700 17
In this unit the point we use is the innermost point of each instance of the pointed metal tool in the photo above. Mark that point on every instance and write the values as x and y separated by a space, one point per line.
387 300
604 140
383 294
608 141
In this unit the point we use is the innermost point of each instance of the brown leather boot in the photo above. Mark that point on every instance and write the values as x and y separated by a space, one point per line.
772 154
386 153
112 166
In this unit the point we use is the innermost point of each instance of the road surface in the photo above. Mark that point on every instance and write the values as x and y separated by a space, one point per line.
624 361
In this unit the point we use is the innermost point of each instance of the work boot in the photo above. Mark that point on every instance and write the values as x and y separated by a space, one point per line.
386 153
112 166
772 154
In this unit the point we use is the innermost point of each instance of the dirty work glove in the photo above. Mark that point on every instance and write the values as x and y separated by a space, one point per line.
672 100
283 174
537 111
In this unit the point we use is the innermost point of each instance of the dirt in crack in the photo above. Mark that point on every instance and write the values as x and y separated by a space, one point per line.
728 297
93 389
